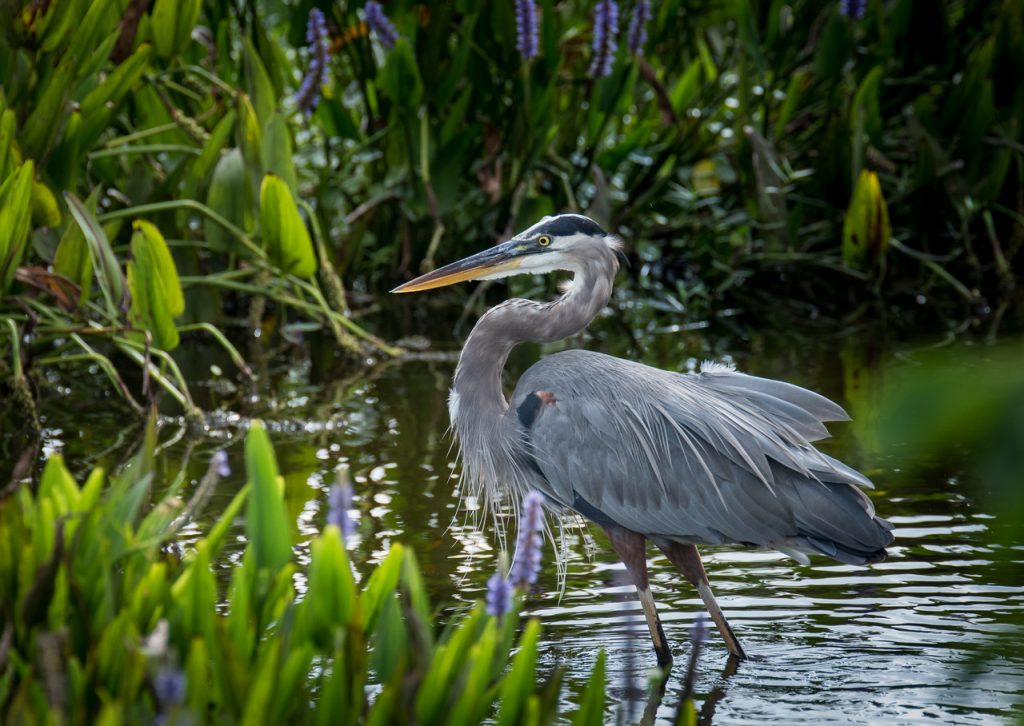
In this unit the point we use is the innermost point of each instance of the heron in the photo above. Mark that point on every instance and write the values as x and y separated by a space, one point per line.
649 455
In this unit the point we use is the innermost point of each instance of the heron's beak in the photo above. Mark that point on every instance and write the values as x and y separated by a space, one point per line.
504 257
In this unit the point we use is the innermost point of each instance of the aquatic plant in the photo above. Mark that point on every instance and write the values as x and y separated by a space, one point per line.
853 8
527 40
526 565
380 25
308 95
637 34
94 602
606 21
499 595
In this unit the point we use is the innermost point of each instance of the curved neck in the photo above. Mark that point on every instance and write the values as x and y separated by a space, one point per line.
477 385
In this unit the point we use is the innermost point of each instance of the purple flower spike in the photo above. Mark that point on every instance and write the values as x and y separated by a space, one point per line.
853 9
308 95
499 595
220 463
526 566
606 21
380 25
339 503
638 27
527 42
169 685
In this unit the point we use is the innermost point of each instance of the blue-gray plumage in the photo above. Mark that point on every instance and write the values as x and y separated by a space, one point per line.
678 459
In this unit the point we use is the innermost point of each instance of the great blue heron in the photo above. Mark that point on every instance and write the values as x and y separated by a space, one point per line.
679 459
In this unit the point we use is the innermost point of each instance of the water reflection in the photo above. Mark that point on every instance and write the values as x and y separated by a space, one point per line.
831 643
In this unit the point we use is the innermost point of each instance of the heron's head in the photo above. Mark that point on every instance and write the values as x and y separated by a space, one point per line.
562 242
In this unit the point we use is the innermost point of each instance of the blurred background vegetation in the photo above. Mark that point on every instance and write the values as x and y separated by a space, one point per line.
201 169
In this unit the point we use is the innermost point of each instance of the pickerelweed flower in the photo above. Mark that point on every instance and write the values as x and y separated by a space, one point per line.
380 25
499 595
339 502
526 565
606 23
308 95
853 8
220 463
169 685
638 27
527 42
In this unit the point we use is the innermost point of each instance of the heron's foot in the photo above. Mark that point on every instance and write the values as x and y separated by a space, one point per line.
664 654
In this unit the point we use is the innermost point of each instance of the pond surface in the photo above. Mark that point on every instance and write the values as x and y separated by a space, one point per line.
933 633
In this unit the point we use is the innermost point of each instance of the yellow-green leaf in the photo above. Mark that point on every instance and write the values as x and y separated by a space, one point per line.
72 259
276 150
285 236
866 229
156 290
266 522
15 217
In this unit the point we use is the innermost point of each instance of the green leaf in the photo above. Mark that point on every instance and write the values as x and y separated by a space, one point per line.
155 288
72 259
266 523
211 153
172 25
258 83
15 218
382 584
276 150
102 102
399 77
592 701
230 196
519 684
285 236
104 262
330 603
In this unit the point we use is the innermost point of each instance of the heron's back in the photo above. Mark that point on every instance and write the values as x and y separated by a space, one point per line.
713 457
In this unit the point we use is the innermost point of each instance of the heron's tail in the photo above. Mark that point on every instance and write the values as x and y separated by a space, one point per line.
838 520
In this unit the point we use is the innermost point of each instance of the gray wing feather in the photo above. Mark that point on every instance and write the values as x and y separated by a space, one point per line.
713 457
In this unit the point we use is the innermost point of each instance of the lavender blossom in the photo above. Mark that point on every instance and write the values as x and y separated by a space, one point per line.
527 42
380 25
308 95
637 36
606 21
526 566
853 8
169 685
339 502
219 461
499 595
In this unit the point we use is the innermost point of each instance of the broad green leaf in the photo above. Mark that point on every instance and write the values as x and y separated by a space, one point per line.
285 236
15 218
866 105
172 25
259 85
40 129
45 212
230 196
211 153
266 523
104 262
7 150
276 151
155 288
330 601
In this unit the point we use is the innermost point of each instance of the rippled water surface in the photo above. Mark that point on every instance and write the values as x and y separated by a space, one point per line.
931 634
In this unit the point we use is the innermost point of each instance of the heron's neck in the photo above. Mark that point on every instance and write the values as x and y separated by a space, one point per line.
477 385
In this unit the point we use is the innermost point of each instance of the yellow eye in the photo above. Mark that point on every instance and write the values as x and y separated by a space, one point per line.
543 240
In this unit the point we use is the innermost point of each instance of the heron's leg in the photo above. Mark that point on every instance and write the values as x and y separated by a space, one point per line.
631 549
687 559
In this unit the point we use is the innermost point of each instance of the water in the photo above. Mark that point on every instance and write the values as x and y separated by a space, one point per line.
932 634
